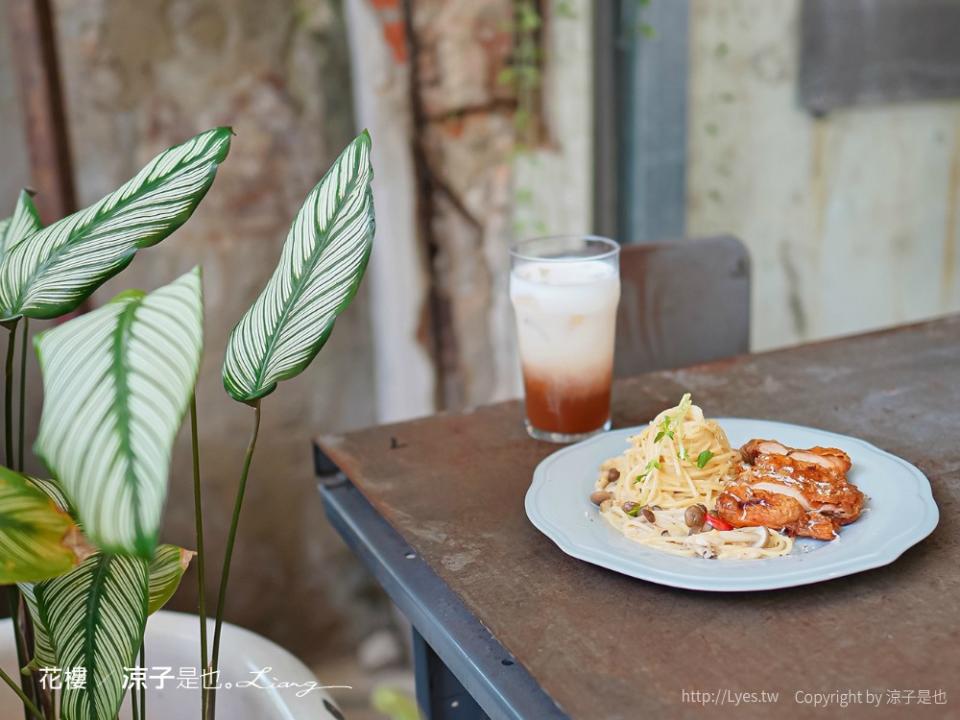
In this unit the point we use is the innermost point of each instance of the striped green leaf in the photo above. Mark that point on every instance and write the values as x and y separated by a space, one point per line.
116 385
38 540
24 222
43 655
93 617
55 269
166 570
51 488
323 260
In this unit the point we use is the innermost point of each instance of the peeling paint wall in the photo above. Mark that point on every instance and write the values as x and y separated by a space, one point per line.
851 220
451 182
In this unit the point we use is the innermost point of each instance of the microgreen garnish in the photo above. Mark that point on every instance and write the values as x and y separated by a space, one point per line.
650 466
703 458
665 430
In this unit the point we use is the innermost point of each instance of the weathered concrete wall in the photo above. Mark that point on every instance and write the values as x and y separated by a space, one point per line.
851 220
141 76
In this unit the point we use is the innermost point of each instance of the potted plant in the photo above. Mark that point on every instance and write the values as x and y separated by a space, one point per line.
79 549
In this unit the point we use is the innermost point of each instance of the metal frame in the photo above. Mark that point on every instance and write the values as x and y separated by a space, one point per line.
609 59
640 101
463 672
439 692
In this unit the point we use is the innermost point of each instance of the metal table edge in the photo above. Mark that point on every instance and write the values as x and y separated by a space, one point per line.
494 678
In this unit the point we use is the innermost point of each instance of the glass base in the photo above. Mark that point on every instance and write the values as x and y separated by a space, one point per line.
562 438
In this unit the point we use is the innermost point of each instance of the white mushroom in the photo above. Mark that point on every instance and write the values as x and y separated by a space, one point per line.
706 551
763 535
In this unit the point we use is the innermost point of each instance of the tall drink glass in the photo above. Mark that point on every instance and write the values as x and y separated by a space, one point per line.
565 292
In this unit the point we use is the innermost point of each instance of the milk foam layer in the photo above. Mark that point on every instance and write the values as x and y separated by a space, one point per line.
566 318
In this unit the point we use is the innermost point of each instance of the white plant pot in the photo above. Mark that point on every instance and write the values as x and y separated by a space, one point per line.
172 641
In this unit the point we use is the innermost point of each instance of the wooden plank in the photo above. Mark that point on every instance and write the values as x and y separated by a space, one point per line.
878 51
33 41
607 646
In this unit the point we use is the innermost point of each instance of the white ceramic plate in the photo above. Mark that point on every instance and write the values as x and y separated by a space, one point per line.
899 513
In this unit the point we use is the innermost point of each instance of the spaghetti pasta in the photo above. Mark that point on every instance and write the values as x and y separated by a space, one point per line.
679 460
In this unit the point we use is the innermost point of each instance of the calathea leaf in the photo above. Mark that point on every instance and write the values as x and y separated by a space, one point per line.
166 570
38 540
53 270
93 617
43 655
24 222
323 260
164 573
116 385
51 488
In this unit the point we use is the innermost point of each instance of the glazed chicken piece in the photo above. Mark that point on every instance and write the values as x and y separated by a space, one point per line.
815 487
801 491
830 458
744 505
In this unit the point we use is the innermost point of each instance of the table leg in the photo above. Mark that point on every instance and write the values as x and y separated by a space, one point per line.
439 694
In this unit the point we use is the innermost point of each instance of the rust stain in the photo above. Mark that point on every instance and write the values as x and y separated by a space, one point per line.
390 13
949 259
454 127
393 33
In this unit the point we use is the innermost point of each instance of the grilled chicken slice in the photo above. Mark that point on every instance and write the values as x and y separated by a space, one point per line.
745 505
829 458
742 505
803 492
816 488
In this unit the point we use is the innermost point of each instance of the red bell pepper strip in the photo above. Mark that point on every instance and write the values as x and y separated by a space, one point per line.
717 523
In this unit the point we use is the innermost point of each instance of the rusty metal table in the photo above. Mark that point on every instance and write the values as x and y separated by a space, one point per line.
515 628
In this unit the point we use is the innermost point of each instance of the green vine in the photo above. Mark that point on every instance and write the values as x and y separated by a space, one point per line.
523 74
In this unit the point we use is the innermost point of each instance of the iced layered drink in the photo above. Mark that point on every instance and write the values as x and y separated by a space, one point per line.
565 293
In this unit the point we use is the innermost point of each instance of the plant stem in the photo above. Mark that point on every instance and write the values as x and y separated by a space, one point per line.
8 395
143 687
22 659
28 706
23 391
228 556
201 572
20 642
134 706
40 694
